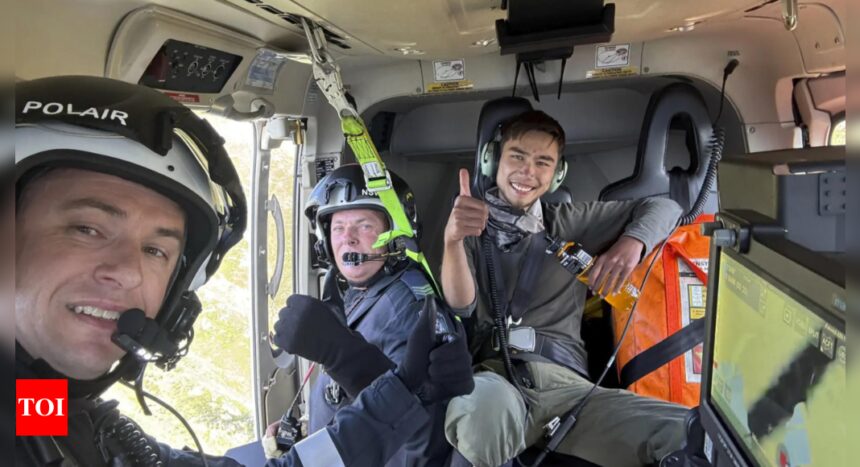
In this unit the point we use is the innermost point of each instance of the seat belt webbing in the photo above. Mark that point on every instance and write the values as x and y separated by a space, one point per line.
662 352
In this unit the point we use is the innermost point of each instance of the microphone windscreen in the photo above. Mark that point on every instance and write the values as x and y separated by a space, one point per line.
131 322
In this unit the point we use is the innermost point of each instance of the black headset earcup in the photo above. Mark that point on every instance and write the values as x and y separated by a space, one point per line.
496 158
320 251
190 307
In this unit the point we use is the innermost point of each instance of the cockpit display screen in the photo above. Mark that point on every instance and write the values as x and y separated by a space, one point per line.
778 371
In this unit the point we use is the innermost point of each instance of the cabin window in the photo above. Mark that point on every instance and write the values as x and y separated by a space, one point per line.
211 386
837 132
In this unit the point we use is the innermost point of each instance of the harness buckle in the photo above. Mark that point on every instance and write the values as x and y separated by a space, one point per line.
333 394
376 178
550 428
522 338
514 322
327 78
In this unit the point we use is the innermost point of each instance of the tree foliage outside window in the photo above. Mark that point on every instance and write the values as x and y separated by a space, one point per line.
837 134
212 386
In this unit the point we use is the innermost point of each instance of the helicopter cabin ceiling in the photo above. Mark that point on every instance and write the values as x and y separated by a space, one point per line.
445 28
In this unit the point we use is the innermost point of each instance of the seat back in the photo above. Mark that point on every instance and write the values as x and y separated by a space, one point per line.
559 196
676 106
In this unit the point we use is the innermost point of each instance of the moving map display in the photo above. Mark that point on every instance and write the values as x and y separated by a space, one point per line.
779 379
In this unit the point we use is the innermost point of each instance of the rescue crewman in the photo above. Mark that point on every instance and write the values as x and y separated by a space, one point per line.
384 416
117 223
385 293
501 418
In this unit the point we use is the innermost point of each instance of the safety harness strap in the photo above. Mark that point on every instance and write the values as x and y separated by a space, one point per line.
376 176
378 180
674 345
528 279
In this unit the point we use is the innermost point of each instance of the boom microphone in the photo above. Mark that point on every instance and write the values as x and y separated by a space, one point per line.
354 259
142 336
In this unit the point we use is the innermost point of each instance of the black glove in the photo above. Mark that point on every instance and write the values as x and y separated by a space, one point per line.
436 367
309 328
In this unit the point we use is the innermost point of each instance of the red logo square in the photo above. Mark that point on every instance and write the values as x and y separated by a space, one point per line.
41 407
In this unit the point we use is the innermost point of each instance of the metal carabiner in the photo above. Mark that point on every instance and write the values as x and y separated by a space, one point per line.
316 41
326 70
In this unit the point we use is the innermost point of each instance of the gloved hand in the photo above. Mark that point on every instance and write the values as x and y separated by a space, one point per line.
270 445
436 371
309 328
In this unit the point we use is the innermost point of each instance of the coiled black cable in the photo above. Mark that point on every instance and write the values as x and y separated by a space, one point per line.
715 148
498 316
139 449
141 393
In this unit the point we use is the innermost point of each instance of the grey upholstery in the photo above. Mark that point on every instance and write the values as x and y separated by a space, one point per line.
661 145
560 195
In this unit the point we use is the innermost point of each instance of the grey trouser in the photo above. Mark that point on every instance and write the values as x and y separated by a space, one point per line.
615 429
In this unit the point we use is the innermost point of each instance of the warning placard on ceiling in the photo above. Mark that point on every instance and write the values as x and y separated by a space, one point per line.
612 72
450 86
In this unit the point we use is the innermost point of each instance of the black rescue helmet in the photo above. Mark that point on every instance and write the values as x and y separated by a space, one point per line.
139 134
345 189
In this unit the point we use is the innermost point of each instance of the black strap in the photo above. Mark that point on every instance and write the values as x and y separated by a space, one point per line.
663 352
549 350
679 187
527 279
529 273
46 451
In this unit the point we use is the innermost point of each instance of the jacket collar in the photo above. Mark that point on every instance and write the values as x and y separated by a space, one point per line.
357 302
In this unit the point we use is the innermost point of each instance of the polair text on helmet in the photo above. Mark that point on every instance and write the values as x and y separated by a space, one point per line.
58 108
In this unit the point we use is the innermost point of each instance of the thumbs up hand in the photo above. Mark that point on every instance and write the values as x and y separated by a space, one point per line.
469 215
465 186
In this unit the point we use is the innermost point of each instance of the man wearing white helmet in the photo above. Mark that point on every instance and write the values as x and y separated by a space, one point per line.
125 204
384 294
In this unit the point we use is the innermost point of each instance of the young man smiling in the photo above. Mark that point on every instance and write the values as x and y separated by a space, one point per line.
499 420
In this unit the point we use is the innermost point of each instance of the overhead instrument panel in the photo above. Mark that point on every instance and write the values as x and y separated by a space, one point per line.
205 65
181 66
